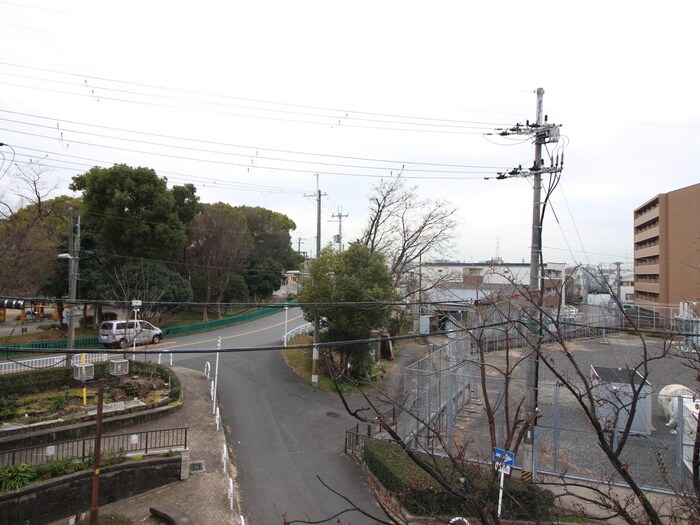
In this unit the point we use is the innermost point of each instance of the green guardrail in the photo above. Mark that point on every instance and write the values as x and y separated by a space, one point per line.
218 323
87 342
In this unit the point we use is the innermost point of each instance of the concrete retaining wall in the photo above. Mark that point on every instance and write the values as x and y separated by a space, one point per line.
39 435
51 500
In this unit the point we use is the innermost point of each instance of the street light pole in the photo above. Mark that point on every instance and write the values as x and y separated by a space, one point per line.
72 282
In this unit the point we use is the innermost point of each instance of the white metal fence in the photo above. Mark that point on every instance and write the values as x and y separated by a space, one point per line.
24 365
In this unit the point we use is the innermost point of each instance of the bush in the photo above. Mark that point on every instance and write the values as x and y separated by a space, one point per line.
8 406
58 402
417 491
421 495
14 477
53 469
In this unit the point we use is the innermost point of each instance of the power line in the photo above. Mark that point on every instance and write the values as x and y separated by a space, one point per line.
250 157
405 165
343 113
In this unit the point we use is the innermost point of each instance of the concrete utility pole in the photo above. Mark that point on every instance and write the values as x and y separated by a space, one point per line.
317 321
339 237
618 280
531 363
543 133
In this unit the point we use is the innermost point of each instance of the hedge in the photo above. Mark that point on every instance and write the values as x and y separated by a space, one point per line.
422 495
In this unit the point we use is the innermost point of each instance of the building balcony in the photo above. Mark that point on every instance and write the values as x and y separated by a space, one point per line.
645 235
646 217
646 287
651 251
646 269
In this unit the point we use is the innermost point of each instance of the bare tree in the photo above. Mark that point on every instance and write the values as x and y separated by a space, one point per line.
31 230
405 228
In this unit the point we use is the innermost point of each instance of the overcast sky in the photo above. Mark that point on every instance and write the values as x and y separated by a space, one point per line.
249 101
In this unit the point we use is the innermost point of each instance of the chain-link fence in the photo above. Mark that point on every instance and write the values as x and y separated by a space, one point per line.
445 395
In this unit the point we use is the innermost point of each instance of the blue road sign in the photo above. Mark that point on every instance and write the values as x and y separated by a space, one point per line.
503 457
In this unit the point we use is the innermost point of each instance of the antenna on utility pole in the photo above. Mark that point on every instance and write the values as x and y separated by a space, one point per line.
338 239
543 133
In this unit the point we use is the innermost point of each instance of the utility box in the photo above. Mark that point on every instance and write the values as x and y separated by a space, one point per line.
427 324
613 393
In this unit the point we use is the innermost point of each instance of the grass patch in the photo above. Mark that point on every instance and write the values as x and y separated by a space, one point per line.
301 360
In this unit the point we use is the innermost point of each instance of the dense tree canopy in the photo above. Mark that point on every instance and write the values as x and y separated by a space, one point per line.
218 250
131 212
129 217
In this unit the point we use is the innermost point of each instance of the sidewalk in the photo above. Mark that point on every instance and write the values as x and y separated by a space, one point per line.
204 495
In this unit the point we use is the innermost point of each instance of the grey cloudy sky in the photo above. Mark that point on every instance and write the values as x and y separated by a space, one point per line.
248 100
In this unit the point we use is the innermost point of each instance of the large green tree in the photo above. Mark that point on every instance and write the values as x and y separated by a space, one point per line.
352 292
270 234
131 212
218 251
271 250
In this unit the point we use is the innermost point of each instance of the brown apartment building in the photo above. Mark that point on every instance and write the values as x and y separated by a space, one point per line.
667 250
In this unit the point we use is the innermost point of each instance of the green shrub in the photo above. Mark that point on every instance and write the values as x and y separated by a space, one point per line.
58 402
111 458
8 406
14 477
421 495
53 469
418 492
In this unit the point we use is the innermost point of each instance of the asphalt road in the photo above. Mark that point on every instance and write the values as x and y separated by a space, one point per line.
286 437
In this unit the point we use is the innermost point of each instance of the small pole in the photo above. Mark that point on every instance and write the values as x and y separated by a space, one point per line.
216 373
286 314
500 493
94 508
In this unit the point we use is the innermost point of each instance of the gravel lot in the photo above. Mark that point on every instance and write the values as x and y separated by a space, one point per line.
565 439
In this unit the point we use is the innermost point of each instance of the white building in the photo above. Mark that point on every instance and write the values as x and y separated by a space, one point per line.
460 282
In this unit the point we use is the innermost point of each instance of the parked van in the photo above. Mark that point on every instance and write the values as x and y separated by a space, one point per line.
122 334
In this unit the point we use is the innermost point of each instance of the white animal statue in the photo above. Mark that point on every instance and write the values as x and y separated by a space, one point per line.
670 405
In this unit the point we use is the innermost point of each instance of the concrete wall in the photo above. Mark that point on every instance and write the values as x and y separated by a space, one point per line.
40 435
52 500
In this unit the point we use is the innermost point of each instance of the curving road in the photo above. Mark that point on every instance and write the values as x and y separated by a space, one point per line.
285 435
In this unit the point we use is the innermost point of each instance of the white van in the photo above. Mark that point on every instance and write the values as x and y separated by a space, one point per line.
122 334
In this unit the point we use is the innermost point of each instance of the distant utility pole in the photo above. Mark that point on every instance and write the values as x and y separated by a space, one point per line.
618 280
542 133
339 238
